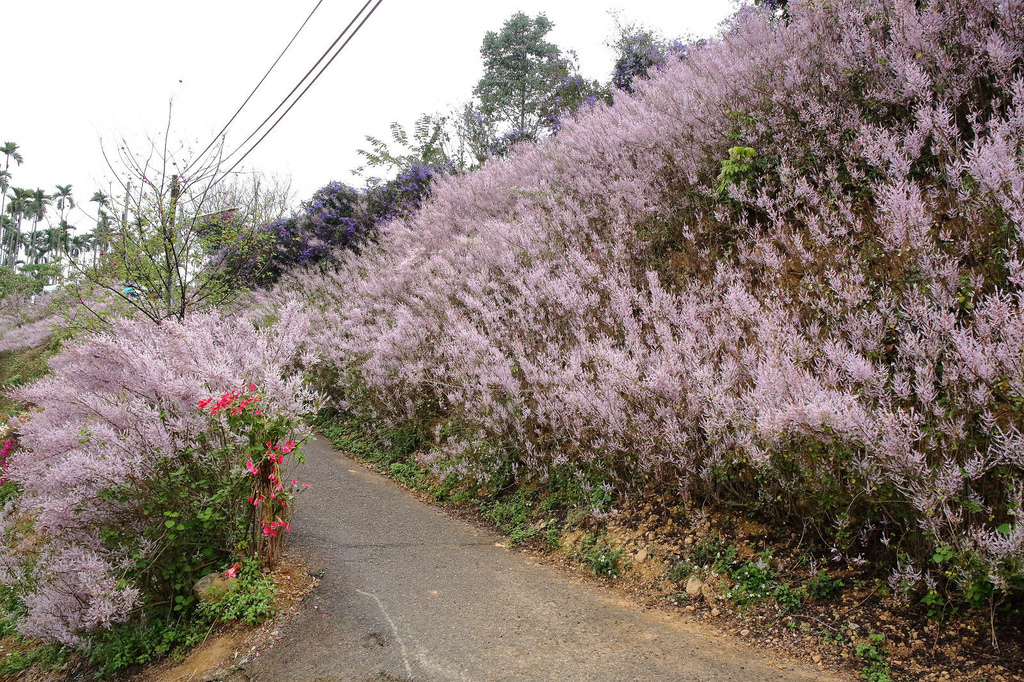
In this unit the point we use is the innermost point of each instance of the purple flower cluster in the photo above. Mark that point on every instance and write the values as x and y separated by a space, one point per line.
402 196
503 144
640 53
328 221
339 217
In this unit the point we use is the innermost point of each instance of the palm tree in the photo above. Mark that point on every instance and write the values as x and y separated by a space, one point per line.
59 242
102 201
17 207
17 242
100 237
7 232
10 151
64 199
56 241
79 244
37 246
6 223
49 244
37 211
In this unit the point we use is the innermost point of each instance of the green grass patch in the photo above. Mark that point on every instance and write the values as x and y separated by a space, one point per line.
360 438
31 654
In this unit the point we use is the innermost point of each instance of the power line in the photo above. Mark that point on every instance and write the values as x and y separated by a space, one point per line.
239 110
303 79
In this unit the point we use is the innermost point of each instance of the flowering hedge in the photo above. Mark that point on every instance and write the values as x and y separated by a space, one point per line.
129 489
25 322
786 276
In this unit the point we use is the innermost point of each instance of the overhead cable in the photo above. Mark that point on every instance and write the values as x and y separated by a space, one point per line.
302 80
239 110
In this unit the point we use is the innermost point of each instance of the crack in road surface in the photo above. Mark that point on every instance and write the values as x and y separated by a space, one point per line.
409 593
394 628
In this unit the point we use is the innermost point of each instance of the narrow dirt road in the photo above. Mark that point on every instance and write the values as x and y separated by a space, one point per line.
411 594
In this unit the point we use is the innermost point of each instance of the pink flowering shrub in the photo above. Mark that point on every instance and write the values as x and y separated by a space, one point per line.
129 489
25 323
785 275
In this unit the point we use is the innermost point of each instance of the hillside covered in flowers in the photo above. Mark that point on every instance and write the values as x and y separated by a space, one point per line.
780 276
784 276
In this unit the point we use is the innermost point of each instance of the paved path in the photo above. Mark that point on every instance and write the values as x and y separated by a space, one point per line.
411 594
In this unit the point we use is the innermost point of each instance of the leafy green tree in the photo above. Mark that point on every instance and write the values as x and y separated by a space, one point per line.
163 259
473 135
18 284
427 145
43 273
522 72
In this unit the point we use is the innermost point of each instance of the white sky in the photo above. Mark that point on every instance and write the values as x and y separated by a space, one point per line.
75 72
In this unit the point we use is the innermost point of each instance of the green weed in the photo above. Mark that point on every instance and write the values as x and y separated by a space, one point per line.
876 668
512 515
601 556
823 586
681 570
788 597
753 581
124 646
250 601
412 475
715 553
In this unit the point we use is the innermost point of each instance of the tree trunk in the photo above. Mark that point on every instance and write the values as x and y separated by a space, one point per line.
3 202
